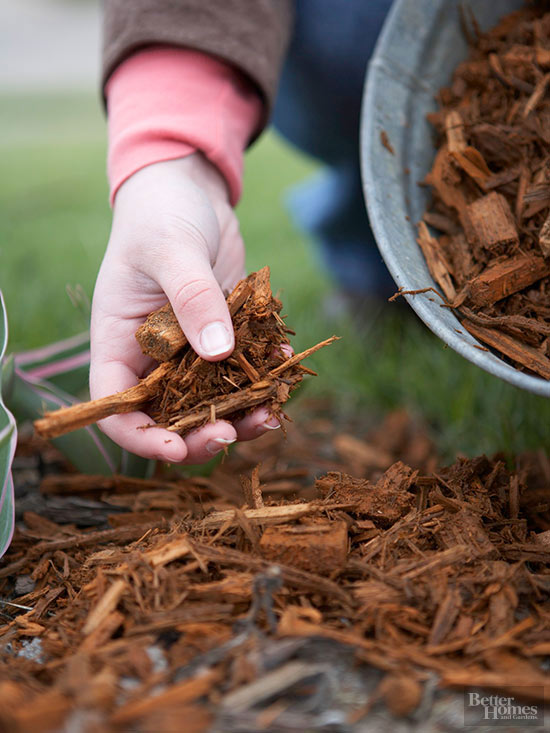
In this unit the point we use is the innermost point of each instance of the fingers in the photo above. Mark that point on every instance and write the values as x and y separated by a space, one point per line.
257 423
186 276
203 259
135 433
206 442
286 350
130 431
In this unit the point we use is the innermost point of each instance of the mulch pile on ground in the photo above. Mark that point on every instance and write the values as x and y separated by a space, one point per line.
491 187
165 615
184 391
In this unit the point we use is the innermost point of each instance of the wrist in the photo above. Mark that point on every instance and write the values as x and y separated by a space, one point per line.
205 175
161 186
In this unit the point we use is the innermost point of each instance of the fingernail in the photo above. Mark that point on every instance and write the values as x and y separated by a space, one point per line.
168 459
217 444
270 424
215 339
171 455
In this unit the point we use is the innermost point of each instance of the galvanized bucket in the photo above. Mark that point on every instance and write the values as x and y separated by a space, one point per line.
419 47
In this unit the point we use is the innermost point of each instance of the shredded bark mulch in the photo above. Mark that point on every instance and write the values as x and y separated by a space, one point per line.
191 601
491 189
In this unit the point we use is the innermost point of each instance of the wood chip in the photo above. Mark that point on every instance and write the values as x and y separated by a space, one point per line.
519 352
435 259
106 604
319 547
505 278
492 221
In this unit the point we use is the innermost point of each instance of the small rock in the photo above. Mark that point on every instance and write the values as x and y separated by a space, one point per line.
402 693
23 585
32 650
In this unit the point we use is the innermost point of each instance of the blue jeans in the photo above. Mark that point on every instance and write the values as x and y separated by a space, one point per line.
318 110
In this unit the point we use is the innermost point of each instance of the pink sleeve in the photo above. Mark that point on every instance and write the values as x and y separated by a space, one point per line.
165 103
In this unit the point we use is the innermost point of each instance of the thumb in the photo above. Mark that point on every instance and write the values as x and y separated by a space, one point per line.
198 303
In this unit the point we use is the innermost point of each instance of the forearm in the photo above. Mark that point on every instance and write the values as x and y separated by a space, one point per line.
248 35
165 103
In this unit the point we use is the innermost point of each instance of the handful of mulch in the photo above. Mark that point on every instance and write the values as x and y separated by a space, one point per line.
491 187
185 391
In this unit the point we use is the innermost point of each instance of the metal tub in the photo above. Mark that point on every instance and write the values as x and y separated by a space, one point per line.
419 47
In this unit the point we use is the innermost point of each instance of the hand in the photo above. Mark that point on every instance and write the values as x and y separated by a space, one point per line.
174 236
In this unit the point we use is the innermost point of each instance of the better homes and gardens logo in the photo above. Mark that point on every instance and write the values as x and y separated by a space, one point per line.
484 709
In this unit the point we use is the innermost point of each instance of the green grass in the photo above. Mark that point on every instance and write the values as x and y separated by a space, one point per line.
55 219
54 215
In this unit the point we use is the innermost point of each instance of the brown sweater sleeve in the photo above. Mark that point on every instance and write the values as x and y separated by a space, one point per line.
252 35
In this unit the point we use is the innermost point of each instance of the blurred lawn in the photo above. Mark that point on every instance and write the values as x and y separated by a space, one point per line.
54 221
